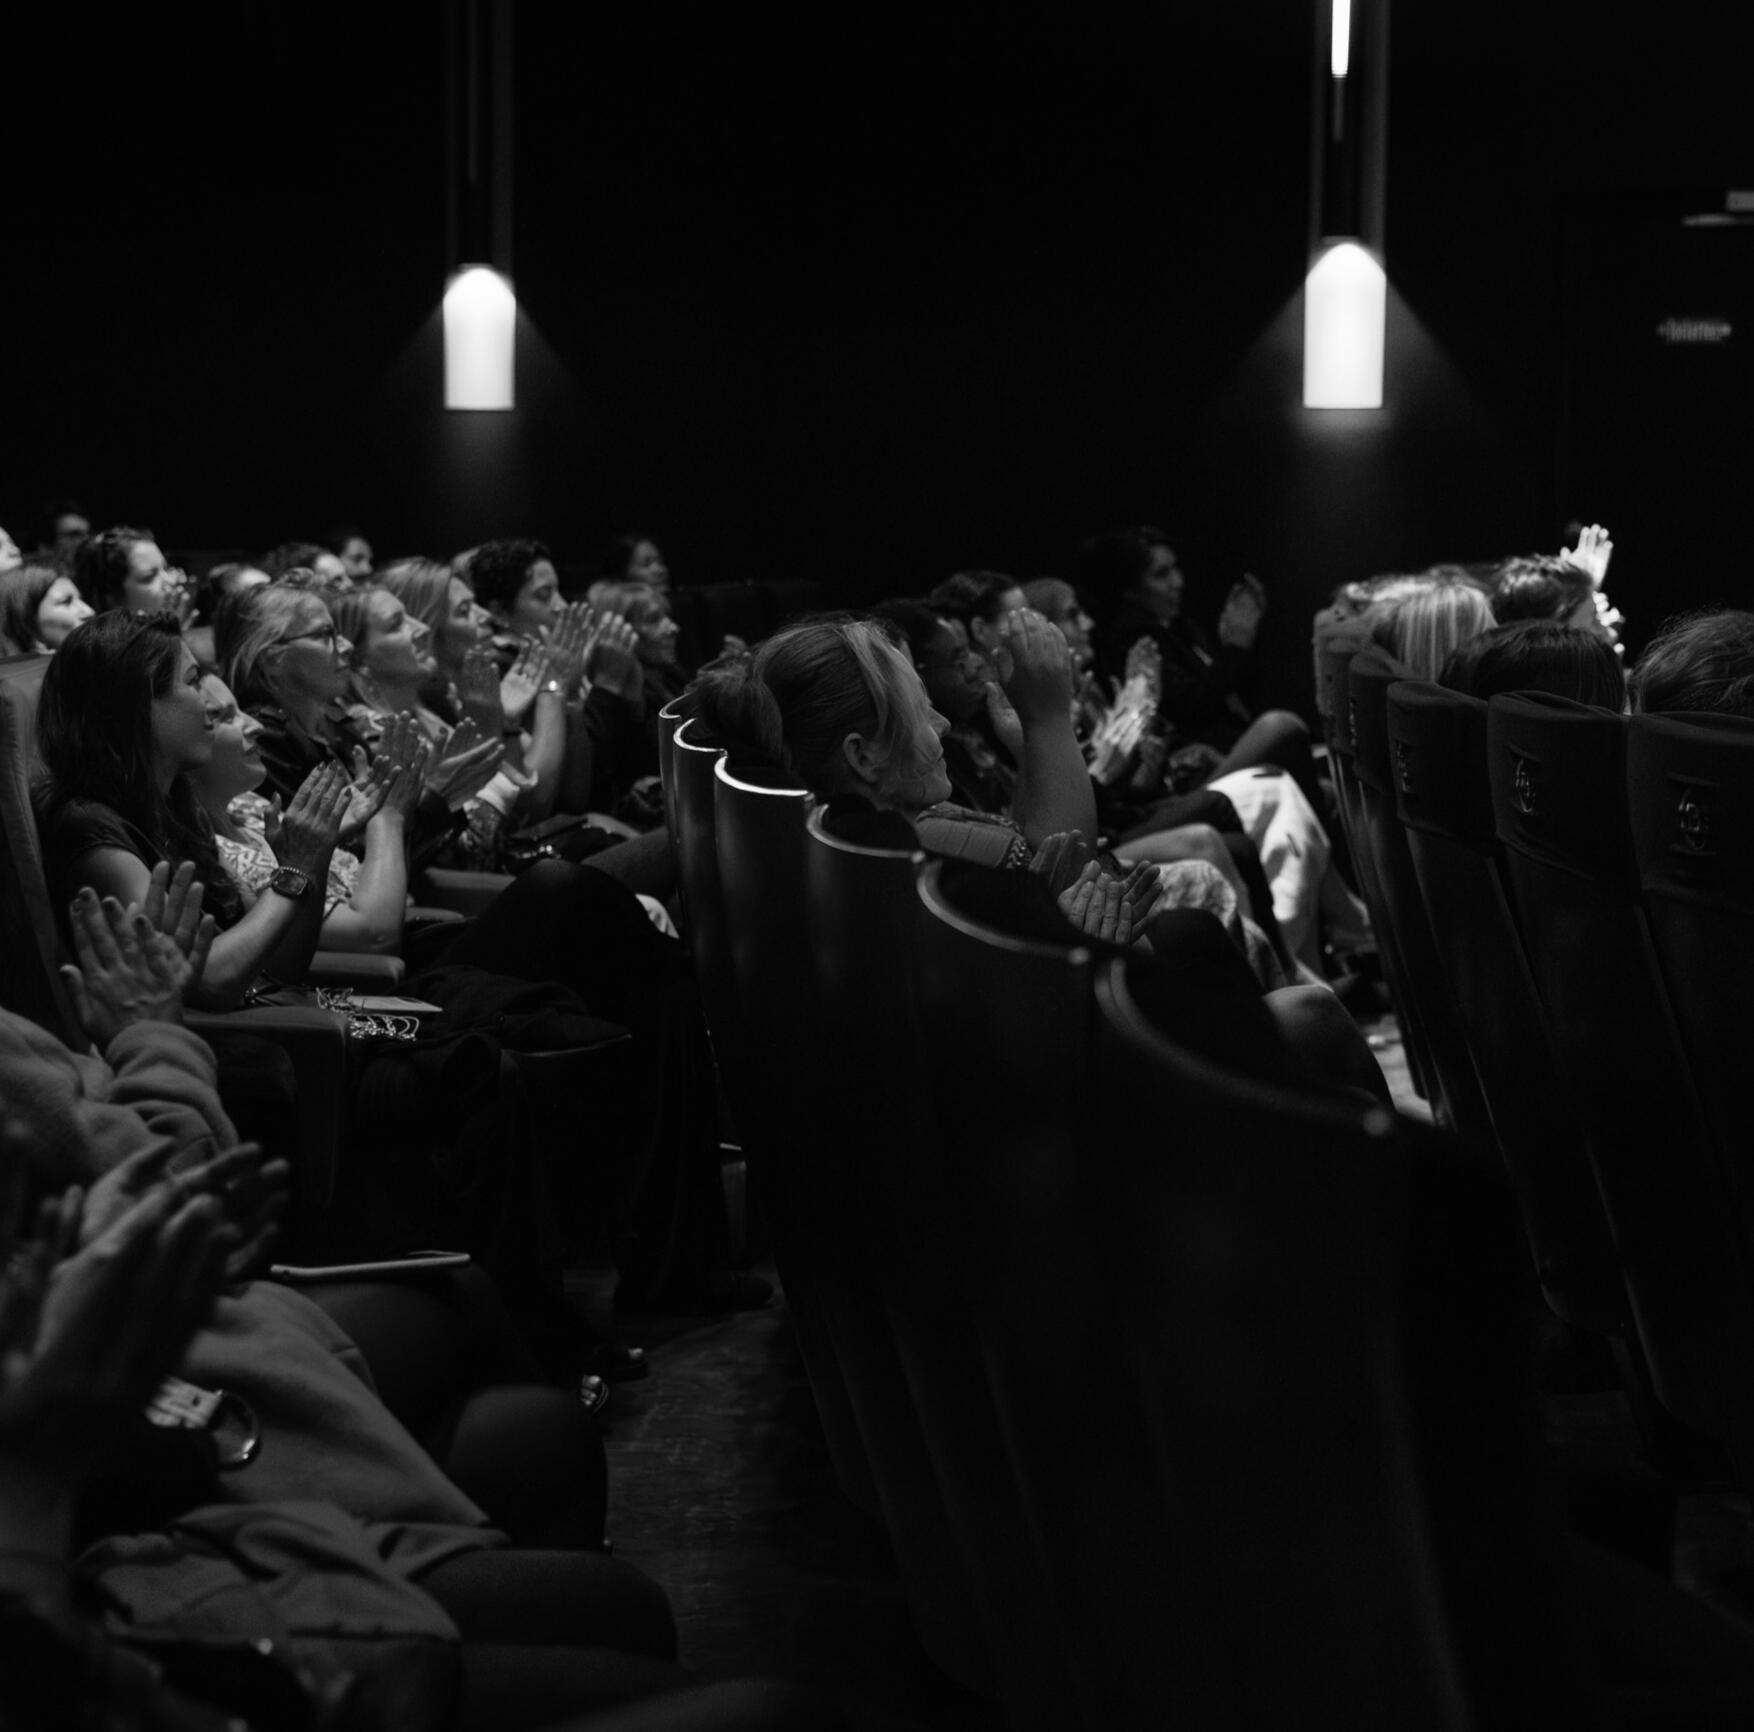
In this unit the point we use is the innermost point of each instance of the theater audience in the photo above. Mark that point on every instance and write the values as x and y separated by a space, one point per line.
838 705
983 776
391 672
601 709
375 715
335 1560
281 654
121 723
1204 683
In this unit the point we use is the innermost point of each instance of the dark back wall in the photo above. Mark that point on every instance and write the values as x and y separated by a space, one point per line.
861 298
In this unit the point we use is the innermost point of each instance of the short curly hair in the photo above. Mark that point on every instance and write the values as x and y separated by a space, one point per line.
498 569
102 565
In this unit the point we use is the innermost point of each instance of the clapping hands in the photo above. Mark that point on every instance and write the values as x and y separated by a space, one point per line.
613 662
305 834
568 646
1101 903
463 763
89 1331
136 964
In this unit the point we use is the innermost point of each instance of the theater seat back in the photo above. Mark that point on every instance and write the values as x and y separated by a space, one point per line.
30 982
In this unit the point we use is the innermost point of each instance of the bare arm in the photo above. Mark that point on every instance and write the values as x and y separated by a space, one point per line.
372 917
1054 790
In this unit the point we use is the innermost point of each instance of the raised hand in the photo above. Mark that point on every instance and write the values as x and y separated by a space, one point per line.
172 905
521 682
403 793
1593 551
305 834
1145 663
1034 666
613 662
570 641
1240 621
480 690
129 971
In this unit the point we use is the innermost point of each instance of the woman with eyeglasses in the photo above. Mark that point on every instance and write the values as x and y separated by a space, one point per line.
578 926
285 659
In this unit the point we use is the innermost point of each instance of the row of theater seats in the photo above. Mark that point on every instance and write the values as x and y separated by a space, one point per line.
1182 1400
1565 900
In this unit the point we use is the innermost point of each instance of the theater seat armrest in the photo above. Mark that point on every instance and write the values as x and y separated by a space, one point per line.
461 892
350 968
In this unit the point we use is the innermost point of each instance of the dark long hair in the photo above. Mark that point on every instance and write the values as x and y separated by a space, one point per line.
21 597
94 739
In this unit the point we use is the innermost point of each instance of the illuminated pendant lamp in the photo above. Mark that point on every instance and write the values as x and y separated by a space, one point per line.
480 307
1345 300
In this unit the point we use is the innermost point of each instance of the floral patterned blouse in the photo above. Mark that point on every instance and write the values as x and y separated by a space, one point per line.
250 863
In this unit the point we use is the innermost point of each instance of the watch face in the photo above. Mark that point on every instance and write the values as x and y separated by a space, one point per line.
288 881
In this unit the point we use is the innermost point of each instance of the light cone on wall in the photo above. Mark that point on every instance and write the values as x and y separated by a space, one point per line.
481 317
1345 309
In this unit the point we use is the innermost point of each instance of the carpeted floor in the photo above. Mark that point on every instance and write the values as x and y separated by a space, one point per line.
721 1489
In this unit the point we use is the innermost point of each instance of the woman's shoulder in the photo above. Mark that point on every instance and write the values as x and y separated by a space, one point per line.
77 825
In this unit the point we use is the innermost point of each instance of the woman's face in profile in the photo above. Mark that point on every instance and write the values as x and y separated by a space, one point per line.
538 603
236 766
396 643
151 584
646 565
313 653
59 612
953 675
657 631
466 624
916 777
182 720
1163 582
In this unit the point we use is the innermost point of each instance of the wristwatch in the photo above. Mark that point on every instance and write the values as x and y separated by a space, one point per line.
289 881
